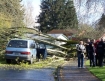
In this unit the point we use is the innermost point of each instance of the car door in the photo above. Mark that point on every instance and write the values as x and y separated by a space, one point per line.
33 49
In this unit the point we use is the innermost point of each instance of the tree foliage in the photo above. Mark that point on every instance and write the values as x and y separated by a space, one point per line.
101 23
11 13
57 14
5 21
87 31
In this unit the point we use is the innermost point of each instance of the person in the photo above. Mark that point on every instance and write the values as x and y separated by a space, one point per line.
100 50
87 45
80 53
92 53
96 56
41 51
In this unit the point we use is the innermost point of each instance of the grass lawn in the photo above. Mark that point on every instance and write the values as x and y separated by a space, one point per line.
47 63
99 72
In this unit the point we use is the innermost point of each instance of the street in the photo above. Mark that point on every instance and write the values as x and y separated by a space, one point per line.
26 75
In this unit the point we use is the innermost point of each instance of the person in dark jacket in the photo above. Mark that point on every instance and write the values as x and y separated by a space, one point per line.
100 50
92 53
96 57
41 51
87 45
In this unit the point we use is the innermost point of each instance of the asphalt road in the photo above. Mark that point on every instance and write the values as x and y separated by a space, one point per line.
27 75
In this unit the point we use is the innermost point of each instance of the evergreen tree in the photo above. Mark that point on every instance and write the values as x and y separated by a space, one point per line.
101 22
57 14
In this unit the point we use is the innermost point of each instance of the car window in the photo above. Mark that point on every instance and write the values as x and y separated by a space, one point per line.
42 46
32 46
18 44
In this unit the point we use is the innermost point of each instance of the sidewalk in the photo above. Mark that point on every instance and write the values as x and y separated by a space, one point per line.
70 72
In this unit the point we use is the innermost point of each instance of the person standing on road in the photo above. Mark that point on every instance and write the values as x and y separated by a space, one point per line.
92 53
87 45
80 53
96 56
101 50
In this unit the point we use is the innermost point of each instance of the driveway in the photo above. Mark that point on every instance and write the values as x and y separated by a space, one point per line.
70 72
27 75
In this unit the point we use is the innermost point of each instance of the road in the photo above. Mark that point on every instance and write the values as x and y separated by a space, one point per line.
26 75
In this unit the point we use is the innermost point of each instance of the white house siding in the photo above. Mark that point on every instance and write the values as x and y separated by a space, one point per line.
62 37
59 36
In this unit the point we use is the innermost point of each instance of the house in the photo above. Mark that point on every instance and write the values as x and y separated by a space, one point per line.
59 36
67 33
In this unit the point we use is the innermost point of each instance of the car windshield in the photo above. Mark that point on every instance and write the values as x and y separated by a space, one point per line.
18 44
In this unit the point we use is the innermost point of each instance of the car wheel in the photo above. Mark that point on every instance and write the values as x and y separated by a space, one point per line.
31 61
8 61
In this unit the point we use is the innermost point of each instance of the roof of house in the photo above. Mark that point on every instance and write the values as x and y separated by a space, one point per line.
36 36
59 31
57 35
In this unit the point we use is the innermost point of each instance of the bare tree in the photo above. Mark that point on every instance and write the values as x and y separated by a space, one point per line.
28 18
89 10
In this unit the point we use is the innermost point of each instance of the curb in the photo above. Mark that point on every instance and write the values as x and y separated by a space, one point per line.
57 74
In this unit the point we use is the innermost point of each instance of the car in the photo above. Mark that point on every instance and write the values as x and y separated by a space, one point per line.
21 49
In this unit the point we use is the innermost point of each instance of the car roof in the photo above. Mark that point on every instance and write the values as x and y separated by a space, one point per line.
22 39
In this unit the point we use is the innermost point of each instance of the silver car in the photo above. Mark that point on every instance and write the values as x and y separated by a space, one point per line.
21 49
